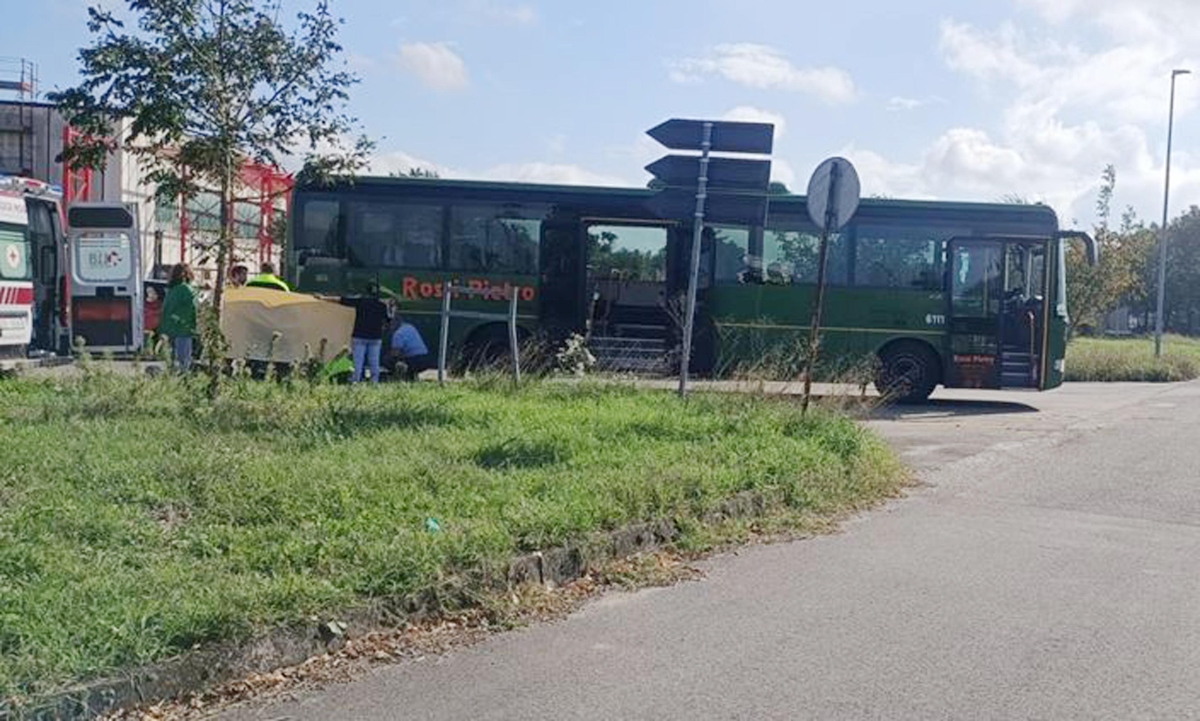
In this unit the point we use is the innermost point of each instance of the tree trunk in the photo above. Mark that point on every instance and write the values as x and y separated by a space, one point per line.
225 246
224 251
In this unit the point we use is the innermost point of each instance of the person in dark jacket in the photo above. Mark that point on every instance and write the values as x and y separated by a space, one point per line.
178 320
366 341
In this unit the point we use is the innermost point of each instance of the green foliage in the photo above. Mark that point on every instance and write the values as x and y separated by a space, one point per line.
1122 274
1182 303
607 261
1132 360
799 254
199 88
138 519
417 173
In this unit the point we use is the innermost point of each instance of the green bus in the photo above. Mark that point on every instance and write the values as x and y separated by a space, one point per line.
964 295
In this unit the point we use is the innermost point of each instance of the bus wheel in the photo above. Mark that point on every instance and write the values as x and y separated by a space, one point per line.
487 351
908 372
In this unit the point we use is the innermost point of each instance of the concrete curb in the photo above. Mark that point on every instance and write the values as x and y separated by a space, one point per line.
198 670
19 365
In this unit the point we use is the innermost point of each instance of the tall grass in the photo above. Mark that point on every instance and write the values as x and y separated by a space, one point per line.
1132 360
138 519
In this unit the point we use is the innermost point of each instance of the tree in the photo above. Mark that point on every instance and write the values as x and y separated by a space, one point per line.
1181 310
607 260
201 87
417 173
1121 276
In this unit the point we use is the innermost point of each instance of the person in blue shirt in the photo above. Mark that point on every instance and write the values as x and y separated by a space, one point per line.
408 347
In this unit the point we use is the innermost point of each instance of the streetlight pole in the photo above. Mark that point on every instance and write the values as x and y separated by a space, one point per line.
1162 231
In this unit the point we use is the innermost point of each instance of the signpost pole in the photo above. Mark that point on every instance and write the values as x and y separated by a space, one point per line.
444 334
513 346
814 338
833 196
694 269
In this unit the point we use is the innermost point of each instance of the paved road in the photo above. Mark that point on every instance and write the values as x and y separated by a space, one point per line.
1050 569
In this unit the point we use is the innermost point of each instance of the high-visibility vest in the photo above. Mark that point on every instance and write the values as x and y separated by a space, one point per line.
268 280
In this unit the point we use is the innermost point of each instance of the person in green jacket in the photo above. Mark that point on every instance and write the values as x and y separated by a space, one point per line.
179 316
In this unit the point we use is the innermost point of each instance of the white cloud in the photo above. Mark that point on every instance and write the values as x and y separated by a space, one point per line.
1127 80
435 64
1088 89
765 68
993 55
783 172
399 162
750 114
553 173
1173 21
899 103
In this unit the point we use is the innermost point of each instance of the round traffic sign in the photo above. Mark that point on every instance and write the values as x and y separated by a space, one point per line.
833 194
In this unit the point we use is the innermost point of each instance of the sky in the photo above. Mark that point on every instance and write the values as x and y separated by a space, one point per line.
957 100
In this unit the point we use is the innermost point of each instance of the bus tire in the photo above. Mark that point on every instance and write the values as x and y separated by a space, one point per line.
908 372
486 349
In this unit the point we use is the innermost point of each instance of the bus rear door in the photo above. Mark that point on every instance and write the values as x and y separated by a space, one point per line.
105 282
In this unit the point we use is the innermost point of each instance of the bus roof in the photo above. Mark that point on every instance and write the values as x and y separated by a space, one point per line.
791 204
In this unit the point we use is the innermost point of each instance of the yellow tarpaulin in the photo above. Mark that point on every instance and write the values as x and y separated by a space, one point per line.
251 316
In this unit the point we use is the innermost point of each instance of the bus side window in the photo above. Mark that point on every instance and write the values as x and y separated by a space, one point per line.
898 257
394 235
495 238
318 230
790 257
731 253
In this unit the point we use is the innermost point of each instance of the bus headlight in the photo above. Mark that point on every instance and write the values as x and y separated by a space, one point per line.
1060 365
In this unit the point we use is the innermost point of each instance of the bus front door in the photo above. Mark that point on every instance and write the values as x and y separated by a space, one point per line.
996 319
975 286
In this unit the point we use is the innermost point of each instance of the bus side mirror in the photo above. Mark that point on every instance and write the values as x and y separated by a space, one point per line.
1090 247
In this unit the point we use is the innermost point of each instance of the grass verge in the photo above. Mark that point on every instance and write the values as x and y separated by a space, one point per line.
1132 360
138 521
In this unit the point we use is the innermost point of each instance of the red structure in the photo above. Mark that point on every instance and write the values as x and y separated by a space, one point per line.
263 186
77 184
270 184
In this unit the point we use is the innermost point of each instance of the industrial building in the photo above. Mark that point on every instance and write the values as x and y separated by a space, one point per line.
33 134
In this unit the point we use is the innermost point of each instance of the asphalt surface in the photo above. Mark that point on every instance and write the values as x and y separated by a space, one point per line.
1048 569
